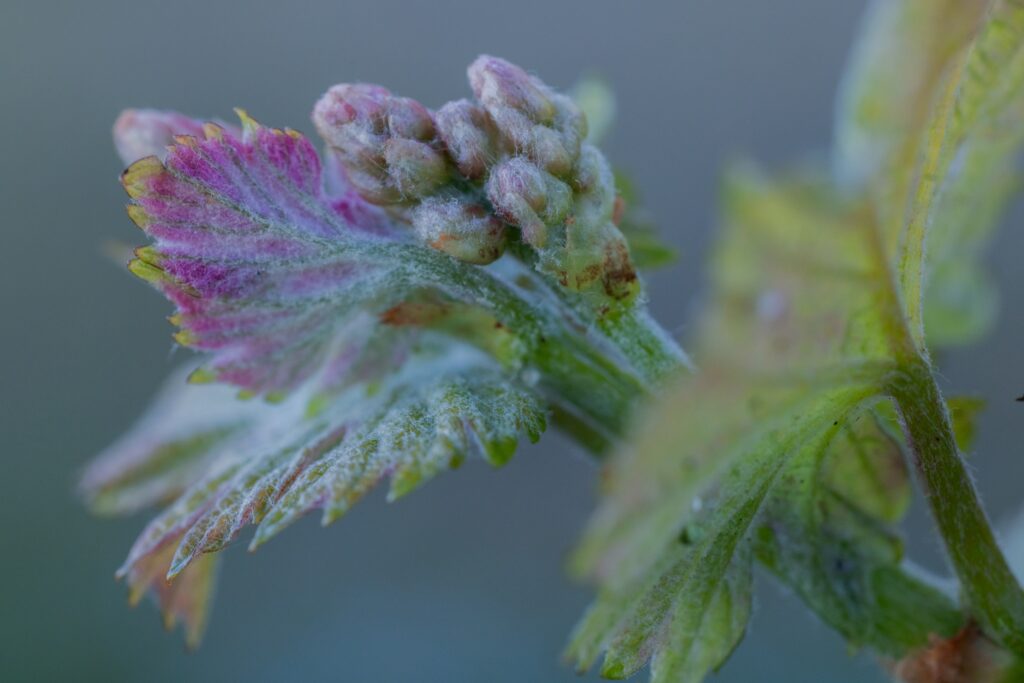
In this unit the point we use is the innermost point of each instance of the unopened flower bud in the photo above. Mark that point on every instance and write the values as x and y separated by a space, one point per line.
407 118
596 250
351 117
533 119
528 197
141 133
385 143
469 135
461 228
415 168
498 83
595 187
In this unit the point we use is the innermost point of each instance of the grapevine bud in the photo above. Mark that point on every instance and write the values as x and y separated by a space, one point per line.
533 119
461 228
498 83
385 143
415 169
469 135
598 249
595 187
529 197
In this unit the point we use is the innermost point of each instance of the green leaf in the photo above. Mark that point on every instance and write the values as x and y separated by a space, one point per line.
812 332
964 172
688 612
887 93
784 363
866 467
832 548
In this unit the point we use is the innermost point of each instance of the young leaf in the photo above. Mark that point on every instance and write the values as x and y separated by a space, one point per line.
814 317
964 172
264 270
792 343
866 467
170 447
188 598
824 533
887 93
443 406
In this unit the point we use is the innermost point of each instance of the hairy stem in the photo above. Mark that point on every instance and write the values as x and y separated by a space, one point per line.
594 365
992 591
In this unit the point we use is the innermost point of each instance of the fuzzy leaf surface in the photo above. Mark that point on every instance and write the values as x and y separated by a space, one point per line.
270 465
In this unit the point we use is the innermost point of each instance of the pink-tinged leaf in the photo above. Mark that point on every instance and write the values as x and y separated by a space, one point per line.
264 267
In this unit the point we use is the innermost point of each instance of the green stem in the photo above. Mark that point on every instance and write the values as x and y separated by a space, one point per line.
602 377
595 364
992 591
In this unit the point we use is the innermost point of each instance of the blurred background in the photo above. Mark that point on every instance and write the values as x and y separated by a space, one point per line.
462 581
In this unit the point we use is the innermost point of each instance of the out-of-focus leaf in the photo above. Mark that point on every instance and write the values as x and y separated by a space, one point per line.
819 295
188 598
964 411
596 98
791 344
963 172
888 91
649 251
923 127
866 466
823 534
170 447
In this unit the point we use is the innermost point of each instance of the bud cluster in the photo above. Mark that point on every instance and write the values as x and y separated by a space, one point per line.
465 173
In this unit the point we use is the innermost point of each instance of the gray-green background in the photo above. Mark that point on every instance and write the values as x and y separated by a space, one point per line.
462 581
